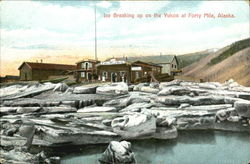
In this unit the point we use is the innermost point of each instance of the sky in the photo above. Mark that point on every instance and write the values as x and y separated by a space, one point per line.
64 31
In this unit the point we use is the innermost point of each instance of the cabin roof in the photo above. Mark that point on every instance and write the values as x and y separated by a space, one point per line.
88 60
116 61
160 59
48 66
112 61
146 63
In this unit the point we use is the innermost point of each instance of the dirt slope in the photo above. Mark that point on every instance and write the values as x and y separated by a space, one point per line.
236 66
188 59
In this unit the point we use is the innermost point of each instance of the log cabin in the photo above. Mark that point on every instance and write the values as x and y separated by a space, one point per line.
42 71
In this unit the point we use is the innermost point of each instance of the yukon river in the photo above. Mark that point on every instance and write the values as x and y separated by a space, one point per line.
191 147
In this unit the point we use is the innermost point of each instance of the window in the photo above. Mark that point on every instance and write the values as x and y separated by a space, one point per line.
82 74
172 66
136 75
86 65
113 77
90 65
105 74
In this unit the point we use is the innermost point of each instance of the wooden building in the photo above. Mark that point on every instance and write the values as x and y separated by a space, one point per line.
42 71
140 69
169 63
116 70
86 70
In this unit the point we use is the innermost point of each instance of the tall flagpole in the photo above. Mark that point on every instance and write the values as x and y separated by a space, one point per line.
95 37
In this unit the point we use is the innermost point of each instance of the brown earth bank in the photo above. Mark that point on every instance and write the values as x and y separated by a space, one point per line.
236 66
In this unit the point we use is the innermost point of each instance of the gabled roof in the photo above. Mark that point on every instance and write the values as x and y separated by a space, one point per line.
121 61
89 60
48 66
112 61
146 63
160 59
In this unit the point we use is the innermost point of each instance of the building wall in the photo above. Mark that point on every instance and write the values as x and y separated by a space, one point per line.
44 74
127 72
157 70
86 75
25 73
173 65
139 73
165 68
92 65
119 70
136 74
89 73
169 67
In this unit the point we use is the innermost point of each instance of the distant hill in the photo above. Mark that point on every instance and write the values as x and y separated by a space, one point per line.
188 59
232 61
234 48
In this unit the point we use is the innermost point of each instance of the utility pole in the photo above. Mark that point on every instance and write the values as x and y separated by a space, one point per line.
95 37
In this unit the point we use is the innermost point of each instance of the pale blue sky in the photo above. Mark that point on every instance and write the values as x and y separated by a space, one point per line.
34 28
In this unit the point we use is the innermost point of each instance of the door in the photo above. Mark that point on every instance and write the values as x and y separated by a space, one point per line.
25 76
113 77
89 76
